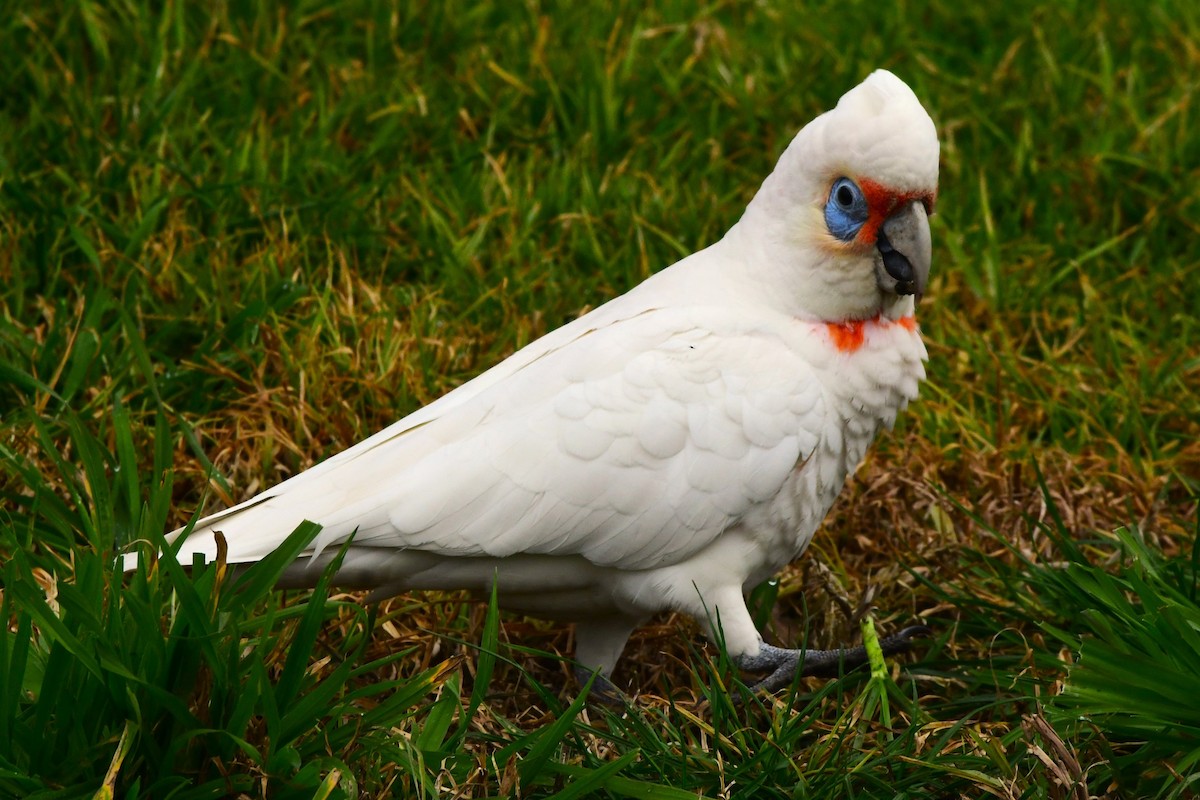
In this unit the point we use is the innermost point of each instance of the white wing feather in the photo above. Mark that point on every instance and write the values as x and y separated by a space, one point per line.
634 445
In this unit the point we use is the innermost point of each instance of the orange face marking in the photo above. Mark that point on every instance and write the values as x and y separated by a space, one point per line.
849 336
882 201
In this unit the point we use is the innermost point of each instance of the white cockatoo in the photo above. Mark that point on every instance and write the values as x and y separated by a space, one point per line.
672 448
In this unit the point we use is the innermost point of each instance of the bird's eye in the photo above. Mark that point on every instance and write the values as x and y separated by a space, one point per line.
846 210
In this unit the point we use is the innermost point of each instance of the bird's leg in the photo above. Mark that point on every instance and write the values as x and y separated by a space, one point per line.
783 664
726 619
598 645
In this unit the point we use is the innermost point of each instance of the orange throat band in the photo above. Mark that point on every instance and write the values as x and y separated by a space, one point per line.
849 336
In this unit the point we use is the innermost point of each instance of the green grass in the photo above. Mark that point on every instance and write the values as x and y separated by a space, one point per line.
237 238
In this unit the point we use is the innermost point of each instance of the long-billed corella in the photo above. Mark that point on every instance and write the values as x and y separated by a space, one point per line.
672 448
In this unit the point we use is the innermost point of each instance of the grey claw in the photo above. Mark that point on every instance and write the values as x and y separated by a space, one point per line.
900 642
784 663
603 690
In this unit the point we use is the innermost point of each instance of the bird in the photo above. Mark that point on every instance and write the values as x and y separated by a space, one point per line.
670 449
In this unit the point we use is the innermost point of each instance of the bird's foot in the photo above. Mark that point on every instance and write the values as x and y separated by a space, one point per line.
783 664
603 690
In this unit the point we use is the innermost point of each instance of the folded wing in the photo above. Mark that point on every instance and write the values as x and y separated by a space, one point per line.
634 445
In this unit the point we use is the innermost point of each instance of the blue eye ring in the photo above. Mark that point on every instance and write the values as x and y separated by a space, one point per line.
846 209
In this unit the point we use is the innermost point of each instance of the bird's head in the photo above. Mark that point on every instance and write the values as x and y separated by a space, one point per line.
842 224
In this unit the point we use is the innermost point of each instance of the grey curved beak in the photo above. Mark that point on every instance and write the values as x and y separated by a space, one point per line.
905 250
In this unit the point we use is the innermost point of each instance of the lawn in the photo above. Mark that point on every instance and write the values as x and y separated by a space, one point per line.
236 238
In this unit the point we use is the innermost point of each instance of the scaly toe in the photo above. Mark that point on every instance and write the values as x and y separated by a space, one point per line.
603 691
